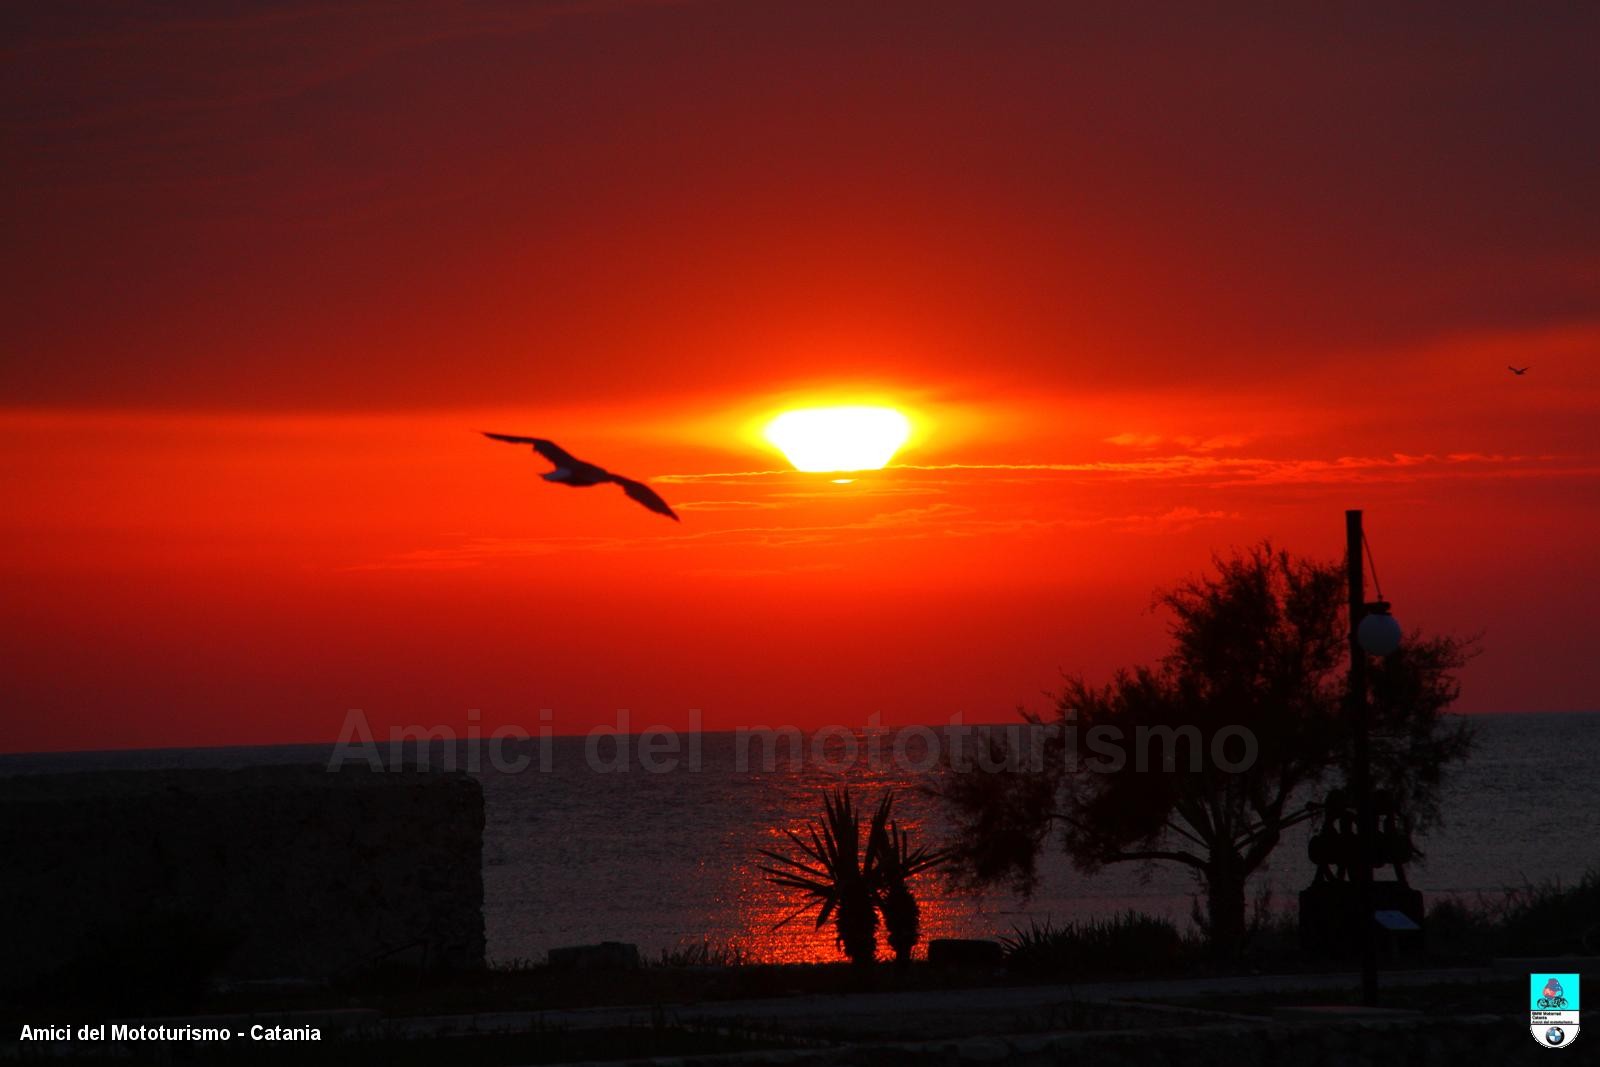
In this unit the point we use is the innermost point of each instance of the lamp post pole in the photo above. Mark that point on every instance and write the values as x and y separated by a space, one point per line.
1361 767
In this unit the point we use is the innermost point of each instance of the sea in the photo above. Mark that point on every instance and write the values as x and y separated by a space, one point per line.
577 851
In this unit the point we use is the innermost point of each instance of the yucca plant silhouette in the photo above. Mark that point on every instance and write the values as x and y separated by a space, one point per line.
839 881
896 863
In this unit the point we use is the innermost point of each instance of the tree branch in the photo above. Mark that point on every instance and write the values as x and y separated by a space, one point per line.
1250 833
1181 832
1157 854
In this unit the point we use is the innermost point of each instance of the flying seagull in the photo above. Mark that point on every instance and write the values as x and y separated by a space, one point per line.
572 471
1518 371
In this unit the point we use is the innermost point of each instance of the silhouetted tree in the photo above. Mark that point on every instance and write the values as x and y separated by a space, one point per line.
896 863
1156 766
852 885
839 880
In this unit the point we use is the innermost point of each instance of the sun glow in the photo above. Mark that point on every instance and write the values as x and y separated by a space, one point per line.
839 438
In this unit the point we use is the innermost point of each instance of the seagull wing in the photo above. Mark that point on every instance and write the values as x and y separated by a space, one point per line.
548 449
646 496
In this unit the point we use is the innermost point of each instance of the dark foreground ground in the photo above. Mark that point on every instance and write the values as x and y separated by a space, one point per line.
828 1015
1125 991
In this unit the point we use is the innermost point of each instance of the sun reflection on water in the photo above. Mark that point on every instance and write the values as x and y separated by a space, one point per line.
762 908
673 860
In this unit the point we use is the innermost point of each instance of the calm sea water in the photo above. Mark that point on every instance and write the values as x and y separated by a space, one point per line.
574 856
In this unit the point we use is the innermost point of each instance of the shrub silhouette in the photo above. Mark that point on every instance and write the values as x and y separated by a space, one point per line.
836 878
852 885
897 863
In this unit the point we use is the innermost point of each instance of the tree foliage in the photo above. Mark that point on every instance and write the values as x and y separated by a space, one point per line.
1258 654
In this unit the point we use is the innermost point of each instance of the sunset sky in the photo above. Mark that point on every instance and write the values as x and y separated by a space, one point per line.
1150 281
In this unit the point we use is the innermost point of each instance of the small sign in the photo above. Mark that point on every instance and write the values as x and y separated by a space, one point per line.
1553 1009
1395 920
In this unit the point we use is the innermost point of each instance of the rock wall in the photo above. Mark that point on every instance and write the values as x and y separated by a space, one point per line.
266 872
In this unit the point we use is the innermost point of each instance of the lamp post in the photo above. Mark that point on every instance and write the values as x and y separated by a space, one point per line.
1373 631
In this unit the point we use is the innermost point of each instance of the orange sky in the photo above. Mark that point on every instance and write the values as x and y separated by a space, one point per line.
1159 285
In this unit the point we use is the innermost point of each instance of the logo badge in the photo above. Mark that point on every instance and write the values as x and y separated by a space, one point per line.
1553 1009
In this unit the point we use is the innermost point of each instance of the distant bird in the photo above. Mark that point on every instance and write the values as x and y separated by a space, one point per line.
572 471
1518 371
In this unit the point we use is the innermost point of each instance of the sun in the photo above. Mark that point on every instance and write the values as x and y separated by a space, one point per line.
839 438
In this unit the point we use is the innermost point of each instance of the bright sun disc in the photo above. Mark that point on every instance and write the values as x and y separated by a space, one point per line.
839 439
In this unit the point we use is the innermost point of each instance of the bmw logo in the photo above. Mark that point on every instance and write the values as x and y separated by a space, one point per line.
1555 1035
